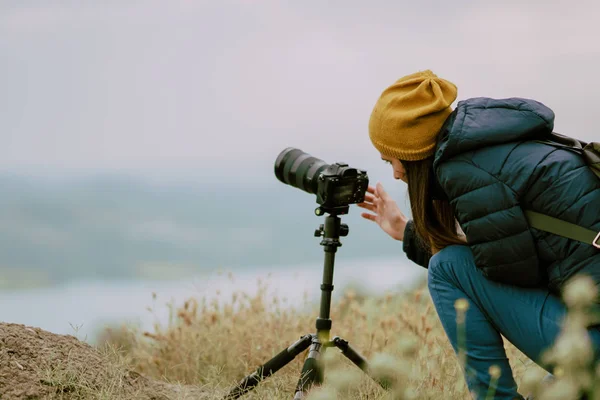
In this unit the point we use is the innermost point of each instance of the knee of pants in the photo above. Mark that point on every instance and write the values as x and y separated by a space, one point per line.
447 263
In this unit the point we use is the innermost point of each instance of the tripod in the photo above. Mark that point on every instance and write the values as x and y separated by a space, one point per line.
312 371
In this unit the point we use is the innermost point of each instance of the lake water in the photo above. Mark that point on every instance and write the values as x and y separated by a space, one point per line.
80 309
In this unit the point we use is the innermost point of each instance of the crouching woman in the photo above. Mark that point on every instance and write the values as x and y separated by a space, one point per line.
471 171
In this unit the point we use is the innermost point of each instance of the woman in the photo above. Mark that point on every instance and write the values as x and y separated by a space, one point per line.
470 173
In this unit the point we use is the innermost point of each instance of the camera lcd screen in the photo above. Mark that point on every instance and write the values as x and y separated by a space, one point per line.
344 192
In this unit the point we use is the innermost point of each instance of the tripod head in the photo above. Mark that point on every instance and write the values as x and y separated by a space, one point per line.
331 232
340 210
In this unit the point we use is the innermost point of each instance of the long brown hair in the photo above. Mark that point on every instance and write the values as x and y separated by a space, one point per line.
434 220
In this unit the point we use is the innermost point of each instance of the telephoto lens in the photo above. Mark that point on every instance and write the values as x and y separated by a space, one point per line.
299 169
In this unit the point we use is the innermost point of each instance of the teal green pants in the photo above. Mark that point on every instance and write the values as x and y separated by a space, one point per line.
529 318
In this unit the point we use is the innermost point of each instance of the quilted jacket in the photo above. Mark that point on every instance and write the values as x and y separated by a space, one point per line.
490 168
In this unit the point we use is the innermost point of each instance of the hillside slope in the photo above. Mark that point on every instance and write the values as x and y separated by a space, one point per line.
35 364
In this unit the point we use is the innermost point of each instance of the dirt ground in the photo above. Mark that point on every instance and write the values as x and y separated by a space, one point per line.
35 364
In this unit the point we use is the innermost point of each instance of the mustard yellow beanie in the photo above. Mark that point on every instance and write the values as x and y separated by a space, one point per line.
409 114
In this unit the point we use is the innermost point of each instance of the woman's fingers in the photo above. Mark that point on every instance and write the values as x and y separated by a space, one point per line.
369 198
370 203
370 217
381 191
368 206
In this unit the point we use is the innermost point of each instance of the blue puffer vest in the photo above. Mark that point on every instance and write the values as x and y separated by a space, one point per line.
490 168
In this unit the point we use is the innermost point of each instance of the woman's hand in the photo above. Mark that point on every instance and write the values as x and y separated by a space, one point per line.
387 214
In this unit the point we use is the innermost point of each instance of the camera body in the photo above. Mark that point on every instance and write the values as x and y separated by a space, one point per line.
340 185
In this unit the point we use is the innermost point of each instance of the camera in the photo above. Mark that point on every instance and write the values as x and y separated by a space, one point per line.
335 185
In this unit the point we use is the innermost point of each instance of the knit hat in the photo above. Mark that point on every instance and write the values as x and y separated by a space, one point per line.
408 115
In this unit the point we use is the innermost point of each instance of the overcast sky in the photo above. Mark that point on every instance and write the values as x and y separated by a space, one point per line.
218 88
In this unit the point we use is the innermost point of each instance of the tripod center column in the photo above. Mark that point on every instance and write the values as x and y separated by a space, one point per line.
330 243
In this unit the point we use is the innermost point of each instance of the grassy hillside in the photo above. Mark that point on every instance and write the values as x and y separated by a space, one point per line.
214 345
207 347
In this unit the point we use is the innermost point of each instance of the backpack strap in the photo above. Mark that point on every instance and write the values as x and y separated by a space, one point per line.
567 140
559 140
559 227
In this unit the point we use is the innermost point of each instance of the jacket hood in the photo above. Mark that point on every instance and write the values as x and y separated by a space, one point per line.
481 122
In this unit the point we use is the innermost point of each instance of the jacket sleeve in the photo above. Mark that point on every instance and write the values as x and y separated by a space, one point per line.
490 215
411 247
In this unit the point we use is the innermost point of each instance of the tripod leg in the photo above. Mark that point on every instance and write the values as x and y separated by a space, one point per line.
270 367
357 359
312 371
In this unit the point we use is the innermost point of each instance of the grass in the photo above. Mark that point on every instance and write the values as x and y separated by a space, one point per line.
213 344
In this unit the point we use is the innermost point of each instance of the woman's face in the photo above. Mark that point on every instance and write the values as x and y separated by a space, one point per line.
399 171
